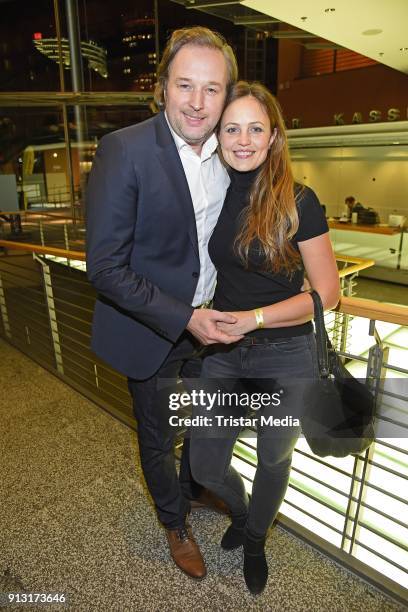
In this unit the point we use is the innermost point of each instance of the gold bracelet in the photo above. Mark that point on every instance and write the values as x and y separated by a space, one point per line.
259 318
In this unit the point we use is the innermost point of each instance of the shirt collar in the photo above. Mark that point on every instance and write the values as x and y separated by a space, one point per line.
209 146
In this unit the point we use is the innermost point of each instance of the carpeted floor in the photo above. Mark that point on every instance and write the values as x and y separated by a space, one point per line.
75 519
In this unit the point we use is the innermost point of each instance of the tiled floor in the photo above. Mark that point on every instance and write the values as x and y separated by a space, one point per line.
75 519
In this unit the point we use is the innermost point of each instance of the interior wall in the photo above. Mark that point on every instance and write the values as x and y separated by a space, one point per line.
315 100
376 176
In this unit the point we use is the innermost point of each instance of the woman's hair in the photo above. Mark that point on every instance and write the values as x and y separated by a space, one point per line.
201 37
271 218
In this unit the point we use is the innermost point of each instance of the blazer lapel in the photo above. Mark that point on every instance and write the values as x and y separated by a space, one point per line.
170 161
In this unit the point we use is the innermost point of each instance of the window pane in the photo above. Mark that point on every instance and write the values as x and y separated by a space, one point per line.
123 52
27 44
35 156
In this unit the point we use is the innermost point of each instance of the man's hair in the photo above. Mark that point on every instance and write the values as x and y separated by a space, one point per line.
200 37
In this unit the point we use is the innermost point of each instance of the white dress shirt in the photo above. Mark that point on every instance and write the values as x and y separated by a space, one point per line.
208 181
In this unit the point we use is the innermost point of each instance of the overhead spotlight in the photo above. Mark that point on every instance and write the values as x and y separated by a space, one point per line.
329 10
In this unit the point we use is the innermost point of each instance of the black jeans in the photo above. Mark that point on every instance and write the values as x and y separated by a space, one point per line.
286 365
156 437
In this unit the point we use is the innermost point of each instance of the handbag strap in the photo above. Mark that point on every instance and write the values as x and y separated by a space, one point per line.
321 335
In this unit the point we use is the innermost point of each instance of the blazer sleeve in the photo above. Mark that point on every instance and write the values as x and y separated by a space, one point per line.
111 213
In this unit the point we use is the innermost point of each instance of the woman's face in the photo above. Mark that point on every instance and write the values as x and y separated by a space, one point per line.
245 134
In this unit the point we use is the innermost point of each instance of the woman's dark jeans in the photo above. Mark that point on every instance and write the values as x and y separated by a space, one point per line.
286 364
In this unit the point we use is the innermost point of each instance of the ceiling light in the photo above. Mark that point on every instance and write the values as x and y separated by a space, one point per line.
322 45
404 49
292 34
211 4
329 10
254 19
372 32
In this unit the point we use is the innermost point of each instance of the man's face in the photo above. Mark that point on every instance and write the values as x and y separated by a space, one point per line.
195 93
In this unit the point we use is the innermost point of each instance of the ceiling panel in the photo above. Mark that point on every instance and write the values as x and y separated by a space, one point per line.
375 28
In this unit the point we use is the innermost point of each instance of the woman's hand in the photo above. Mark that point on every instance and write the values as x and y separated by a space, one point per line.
245 323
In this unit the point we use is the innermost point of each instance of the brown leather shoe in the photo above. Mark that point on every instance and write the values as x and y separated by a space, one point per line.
210 501
185 552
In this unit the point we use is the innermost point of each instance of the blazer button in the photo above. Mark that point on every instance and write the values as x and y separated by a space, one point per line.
195 275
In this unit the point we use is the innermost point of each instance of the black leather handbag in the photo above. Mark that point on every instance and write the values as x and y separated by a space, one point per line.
338 419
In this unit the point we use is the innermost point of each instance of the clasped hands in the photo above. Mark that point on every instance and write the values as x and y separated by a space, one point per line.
213 326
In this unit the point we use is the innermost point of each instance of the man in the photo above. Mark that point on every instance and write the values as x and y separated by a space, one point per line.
350 202
154 195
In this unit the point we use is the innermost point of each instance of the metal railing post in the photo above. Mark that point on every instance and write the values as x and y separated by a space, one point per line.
377 356
342 320
96 376
66 237
3 311
42 233
358 477
49 298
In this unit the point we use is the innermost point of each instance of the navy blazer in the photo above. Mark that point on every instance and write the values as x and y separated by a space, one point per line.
142 251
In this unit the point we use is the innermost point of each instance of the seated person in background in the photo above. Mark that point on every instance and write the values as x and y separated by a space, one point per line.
350 202
15 222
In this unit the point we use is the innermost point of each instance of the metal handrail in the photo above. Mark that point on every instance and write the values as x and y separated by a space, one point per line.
53 214
373 310
369 309
100 98
359 262
43 250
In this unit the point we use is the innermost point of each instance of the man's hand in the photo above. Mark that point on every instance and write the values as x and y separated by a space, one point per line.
245 322
204 326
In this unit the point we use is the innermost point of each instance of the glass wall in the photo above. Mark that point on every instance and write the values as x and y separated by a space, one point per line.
36 157
104 52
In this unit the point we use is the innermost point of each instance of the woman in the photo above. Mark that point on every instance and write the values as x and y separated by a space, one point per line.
269 231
